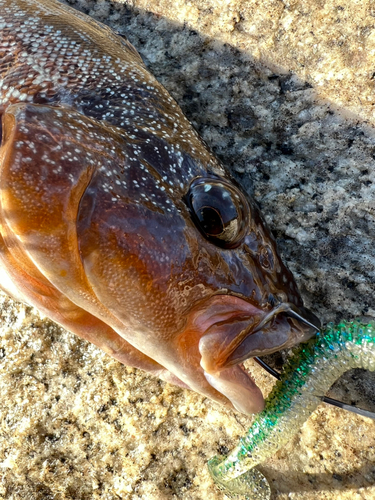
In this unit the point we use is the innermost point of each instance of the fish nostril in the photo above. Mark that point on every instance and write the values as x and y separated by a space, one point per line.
266 258
272 300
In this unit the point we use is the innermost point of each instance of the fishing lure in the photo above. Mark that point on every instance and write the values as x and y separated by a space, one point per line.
313 368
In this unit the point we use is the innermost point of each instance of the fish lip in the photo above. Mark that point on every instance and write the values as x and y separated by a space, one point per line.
216 356
304 315
311 328
221 309
231 330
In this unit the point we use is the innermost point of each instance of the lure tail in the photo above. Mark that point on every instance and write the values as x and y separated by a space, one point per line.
311 371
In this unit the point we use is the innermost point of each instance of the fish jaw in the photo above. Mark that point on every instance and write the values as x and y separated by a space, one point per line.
229 330
239 387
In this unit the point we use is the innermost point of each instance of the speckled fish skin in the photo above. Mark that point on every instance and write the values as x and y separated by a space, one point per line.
96 161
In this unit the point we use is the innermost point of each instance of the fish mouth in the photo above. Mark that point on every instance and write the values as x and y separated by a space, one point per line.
235 330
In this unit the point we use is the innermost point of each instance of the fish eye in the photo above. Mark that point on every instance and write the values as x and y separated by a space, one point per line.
219 210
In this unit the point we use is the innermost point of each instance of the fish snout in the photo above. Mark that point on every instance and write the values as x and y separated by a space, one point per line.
226 344
305 317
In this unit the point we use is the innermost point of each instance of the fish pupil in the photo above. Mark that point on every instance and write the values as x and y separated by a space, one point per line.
219 210
211 221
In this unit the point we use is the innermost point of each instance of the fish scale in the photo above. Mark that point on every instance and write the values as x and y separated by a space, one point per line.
42 64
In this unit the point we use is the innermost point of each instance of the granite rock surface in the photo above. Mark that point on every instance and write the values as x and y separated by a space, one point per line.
283 93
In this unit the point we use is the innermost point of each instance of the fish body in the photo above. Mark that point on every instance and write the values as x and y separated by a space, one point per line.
118 223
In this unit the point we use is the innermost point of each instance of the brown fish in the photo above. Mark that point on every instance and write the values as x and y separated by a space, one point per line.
118 223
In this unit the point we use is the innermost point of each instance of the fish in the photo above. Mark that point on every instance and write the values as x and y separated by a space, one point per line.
118 223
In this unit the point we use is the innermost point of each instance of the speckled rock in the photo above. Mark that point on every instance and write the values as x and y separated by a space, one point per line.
283 92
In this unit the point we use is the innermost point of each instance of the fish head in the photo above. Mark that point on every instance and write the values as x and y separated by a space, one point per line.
113 212
194 270
250 304
156 240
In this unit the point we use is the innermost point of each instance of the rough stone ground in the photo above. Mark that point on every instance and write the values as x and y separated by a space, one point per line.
283 92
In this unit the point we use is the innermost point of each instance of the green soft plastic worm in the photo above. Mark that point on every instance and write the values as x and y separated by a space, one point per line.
310 372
